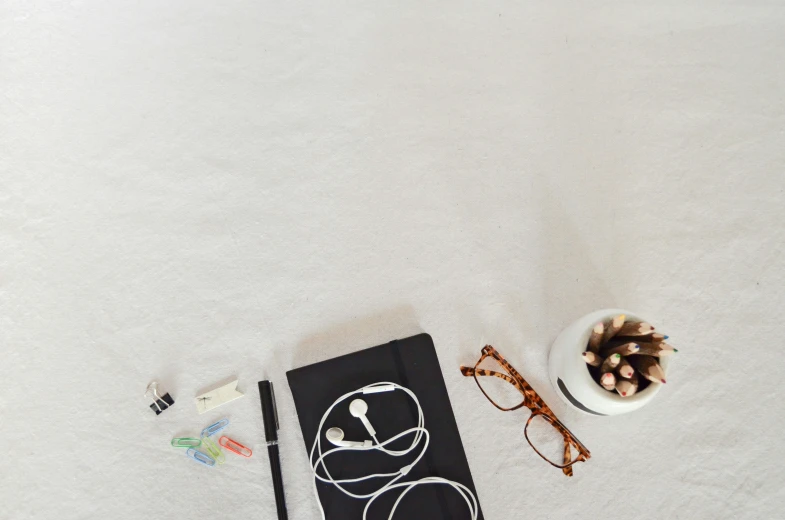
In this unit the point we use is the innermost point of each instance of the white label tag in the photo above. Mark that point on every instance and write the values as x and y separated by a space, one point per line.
215 398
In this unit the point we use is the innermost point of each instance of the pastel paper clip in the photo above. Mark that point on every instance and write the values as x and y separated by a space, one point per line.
213 449
186 442
215 428
235 447
200 457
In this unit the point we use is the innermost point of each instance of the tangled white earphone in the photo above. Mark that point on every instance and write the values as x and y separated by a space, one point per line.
359 408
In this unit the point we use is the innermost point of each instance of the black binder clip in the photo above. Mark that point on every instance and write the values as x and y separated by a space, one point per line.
160 402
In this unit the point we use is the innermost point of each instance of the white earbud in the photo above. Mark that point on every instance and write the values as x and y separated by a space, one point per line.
335 436
358 408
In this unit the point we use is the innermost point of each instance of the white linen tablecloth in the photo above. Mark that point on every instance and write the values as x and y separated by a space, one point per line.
192 191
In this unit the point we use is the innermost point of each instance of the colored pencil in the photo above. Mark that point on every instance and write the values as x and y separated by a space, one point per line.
624 350
650 338
608 381
596 337
635 328
625 370
610 363
592 359
656 349
613 328
627 387
648 367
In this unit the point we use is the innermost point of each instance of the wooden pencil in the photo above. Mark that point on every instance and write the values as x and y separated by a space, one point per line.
608 381
613 328
648 367
627 387
596 337
617 341
625 370
592 359
650 338
656 349
625 350
610 363
635 328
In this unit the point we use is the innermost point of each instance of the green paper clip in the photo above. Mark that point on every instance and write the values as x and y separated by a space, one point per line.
213 450
186 442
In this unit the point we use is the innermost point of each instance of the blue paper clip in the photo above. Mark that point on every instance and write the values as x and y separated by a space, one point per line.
200 457
215 428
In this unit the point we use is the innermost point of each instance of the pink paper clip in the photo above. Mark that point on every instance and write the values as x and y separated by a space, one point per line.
234 446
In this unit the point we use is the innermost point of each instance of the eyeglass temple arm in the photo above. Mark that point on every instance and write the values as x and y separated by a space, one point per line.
567 458
578 445
469 372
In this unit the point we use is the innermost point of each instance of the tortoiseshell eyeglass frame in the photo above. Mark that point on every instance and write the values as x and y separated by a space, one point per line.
533 402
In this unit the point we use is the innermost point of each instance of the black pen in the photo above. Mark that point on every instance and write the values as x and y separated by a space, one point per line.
270 416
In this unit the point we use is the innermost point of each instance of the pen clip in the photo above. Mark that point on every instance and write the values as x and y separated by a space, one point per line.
275 406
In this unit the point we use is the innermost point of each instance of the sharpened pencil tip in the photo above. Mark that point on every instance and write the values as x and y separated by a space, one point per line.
675 350
665 337
624 394
662 380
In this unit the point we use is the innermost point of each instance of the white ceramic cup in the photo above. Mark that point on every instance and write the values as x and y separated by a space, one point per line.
570 375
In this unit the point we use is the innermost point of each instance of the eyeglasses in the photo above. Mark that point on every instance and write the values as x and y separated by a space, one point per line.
544 432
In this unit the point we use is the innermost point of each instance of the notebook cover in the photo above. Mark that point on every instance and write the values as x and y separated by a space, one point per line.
412 363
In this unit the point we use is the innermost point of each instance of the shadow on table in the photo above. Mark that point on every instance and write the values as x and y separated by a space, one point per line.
357 334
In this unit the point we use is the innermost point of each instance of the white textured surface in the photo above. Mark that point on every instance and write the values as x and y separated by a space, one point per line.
196 190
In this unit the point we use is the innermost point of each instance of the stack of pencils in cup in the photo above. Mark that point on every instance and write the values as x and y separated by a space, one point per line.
622 356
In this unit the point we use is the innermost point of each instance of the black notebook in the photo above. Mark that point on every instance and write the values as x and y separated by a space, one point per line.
409 362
